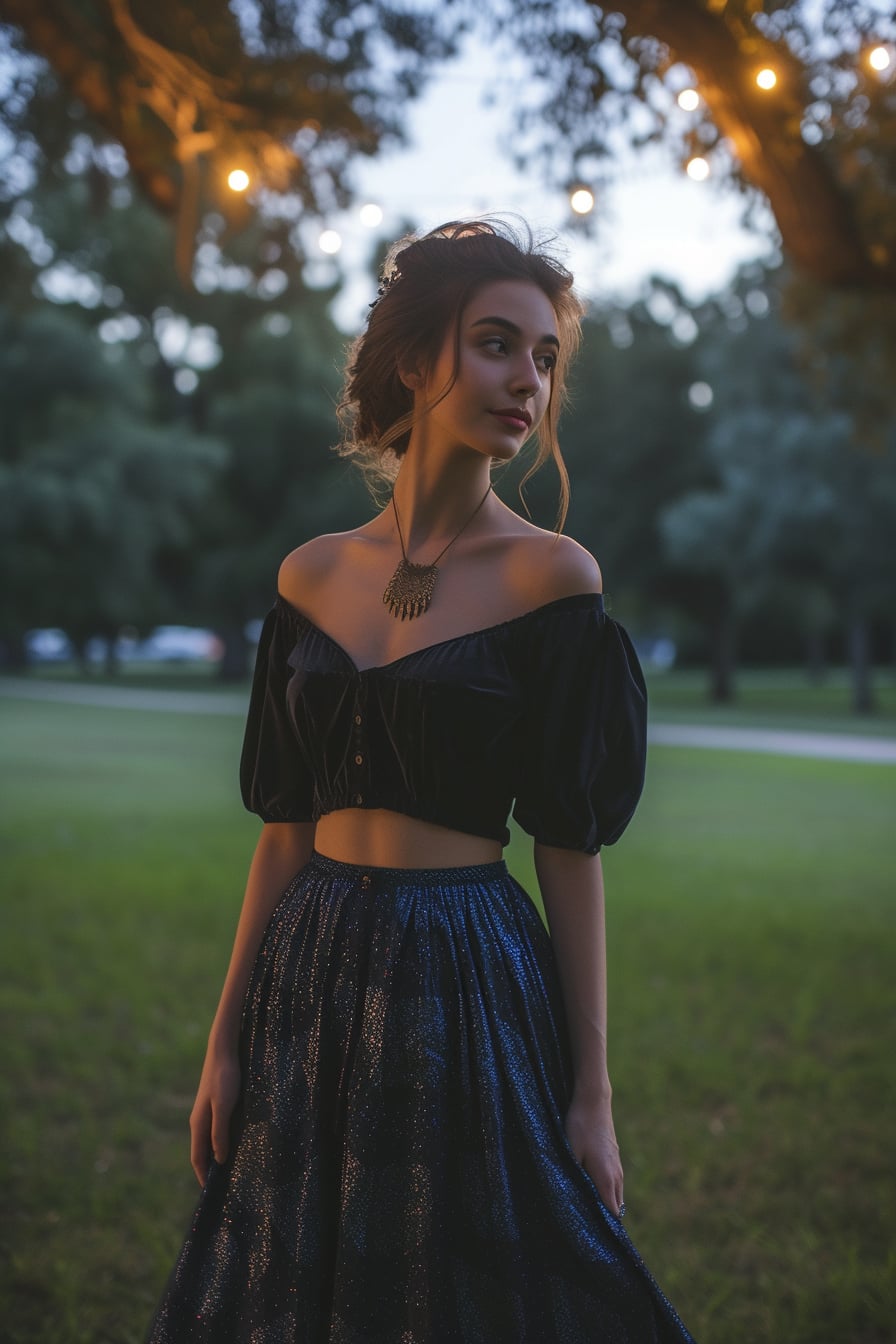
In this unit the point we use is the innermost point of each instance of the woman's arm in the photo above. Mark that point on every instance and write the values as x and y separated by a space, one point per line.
282 849
572 889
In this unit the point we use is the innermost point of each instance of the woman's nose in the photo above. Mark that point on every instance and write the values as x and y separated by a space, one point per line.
525 377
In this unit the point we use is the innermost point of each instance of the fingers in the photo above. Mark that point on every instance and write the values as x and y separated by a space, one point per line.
200 1151
220 1132
607 1176
611 1194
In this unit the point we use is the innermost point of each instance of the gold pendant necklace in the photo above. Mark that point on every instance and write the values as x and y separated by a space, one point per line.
410 589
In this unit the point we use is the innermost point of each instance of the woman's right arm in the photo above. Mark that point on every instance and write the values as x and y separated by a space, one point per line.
283 848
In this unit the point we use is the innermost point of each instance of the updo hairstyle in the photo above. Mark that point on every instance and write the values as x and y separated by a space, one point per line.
427 283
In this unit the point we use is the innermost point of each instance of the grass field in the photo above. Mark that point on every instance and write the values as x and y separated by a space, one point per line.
751 931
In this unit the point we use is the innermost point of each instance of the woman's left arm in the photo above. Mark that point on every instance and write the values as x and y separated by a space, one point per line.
572 889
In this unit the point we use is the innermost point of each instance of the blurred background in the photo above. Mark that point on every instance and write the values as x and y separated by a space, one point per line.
194 202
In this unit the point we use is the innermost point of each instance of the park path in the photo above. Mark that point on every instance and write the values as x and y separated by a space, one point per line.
825 746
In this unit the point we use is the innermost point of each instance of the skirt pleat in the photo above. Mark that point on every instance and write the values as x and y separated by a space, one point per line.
399 1171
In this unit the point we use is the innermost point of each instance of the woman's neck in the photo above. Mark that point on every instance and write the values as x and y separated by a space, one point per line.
436 498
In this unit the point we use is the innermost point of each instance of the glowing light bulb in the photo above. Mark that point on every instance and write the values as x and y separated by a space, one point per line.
370 215
329 242
238 180
582 200
698 169
689 99
766 79
879 58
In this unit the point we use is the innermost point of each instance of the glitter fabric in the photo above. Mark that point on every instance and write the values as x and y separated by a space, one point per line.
399 1172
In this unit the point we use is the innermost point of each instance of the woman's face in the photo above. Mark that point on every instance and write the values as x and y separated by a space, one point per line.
507 351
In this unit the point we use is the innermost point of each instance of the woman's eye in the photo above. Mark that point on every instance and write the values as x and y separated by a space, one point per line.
547 362
496 343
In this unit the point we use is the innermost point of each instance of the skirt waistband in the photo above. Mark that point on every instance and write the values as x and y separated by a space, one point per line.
471 872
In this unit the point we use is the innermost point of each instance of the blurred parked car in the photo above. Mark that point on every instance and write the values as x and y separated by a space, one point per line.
48 646
658 654
178 644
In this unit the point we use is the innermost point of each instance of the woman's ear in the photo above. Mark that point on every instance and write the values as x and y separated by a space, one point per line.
411 377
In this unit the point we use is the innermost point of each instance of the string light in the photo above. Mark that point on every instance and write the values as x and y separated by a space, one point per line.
689 100
700 396
330 242
370 215
238 180
698 169
766 79
879 58
581 200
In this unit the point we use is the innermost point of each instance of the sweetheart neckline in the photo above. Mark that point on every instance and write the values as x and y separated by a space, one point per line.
439 643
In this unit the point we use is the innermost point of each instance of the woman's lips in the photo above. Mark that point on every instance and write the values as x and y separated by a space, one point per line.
511 419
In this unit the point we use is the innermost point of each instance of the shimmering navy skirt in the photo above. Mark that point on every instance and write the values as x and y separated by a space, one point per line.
399 1172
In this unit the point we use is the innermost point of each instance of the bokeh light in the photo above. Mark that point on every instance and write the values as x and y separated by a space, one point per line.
879 58
698 169
329 242
700 396
766 79
582 200
370 215
238 180
689 99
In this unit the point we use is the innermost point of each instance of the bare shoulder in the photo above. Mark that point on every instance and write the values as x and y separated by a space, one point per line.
555 567
308 564
572 568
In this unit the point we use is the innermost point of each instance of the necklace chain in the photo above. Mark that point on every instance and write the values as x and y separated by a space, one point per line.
453 539
410 589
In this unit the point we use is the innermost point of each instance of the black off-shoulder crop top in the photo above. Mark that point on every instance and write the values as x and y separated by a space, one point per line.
545 712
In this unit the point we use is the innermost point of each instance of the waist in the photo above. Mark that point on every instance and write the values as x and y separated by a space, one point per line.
380 838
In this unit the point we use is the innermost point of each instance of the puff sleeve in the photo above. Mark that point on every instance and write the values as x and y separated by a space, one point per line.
585 747
275 782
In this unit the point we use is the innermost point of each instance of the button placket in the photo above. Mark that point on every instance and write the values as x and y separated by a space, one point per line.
358 746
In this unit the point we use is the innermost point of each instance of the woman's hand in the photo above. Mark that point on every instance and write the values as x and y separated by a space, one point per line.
589 1128
219 1088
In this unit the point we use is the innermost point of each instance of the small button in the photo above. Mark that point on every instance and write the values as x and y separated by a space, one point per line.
359 798
358 719
365 880
359 759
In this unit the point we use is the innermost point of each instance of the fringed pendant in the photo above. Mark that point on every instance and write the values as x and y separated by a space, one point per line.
409 591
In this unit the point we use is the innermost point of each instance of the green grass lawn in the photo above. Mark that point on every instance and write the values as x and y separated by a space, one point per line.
751 936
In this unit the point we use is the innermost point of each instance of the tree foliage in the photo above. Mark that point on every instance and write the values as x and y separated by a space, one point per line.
93 494
285 92
292 90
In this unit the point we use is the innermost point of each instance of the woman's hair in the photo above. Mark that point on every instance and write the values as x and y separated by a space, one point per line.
427 283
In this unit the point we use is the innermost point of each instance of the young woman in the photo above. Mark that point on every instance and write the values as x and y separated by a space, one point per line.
403 1128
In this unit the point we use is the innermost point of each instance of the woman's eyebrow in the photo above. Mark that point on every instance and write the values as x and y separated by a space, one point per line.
512 327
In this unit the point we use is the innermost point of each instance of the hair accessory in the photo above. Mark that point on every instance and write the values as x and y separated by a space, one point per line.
386 283
410 589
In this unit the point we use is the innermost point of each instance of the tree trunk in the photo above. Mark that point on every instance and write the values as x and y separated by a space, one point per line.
724 658
860 666
816 658
12 652
111 664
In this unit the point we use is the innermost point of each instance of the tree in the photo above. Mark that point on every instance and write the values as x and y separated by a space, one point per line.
92 495
283 92
180 88
798 498
816 145
271 400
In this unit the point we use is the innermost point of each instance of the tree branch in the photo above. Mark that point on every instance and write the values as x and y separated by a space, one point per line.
814 213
